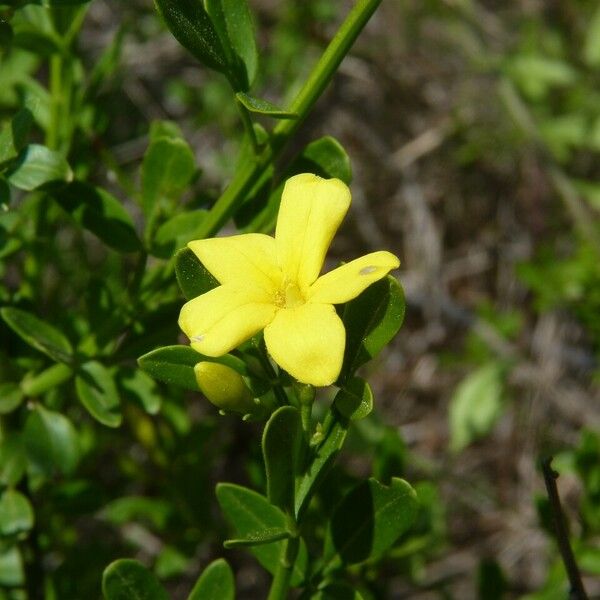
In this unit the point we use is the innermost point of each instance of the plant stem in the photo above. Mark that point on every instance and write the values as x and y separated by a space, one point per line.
56 99
562 536
248 126
283 575
314 86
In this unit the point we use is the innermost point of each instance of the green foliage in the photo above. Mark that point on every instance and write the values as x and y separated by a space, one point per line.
129 580
216 581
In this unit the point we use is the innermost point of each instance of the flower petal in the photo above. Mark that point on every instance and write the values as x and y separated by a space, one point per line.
308 342
311 211
246 259
349 280
220 320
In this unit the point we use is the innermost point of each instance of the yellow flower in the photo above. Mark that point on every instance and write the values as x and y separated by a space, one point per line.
273 284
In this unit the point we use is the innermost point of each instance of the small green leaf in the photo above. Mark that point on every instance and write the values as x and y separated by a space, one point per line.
13 460
177 232
175 365
36 166
476 405
13 135
233 23
101 213
193 277
355 399
194 30
141 388
11 397
37 333
258 538
281 444
50 441
127 579
216 582
12 572
370 518
123 510
333 433
167 169
371 320
264 107
98 393
16 513
249 512
325 157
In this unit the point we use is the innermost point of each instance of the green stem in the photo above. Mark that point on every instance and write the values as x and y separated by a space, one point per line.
56 99
314 86
248 126
283 575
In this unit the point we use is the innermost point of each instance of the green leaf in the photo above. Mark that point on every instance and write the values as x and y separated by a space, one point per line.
194 30
50 441
11 567
333 433
138 508
37 333
249 512
325 157
371 321
13 460
98 393
177 232
175 365
36 166
167 169
233 22
141 388
264 107
13 135
101 213
16 513
355 399
258 538
193 277
281 444
370 518
6 35
127 579
11 397
476 405
216 581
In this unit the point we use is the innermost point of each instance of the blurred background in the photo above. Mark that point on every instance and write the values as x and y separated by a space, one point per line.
474 134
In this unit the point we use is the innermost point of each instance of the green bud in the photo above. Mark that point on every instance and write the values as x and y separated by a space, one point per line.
224 387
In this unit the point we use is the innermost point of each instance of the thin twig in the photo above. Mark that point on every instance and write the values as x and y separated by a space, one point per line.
562 537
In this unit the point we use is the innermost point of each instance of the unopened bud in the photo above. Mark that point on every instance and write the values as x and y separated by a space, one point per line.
224 387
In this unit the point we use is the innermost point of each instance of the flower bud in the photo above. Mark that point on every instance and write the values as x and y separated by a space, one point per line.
224 387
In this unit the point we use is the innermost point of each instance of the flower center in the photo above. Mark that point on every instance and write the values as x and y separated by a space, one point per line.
289 295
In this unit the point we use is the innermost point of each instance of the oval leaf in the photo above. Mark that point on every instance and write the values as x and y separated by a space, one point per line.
249 512
36 166
371 321
194 30
177 232
378 515
37 333
355 400
127 579
101 213
476 405
98 393
216 581
16 513
193 277
281 445
13 135
50 441
11 397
